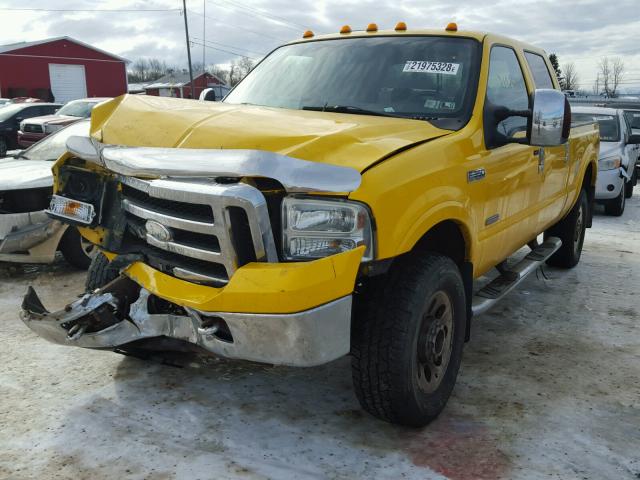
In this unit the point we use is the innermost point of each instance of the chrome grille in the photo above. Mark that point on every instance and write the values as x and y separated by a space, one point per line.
198 215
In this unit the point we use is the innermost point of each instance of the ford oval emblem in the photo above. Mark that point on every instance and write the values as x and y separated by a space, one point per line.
158 231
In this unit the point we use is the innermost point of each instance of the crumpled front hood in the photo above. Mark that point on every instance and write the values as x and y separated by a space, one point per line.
52 120
17 174
348 140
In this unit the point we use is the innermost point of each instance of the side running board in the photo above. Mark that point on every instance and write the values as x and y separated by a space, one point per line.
490 294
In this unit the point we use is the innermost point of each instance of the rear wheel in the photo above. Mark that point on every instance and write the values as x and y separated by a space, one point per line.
571 230
407 339
616 206
76 249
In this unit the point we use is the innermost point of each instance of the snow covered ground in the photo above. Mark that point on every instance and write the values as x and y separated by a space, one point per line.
549 388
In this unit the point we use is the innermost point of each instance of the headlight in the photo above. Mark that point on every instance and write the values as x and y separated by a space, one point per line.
319 228
609 163
52 128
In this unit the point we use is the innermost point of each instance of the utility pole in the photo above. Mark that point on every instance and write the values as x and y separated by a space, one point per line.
204 34
186 32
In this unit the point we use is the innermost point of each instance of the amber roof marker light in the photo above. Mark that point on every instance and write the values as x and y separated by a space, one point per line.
372 27
401 27
307 34
345 29
452 27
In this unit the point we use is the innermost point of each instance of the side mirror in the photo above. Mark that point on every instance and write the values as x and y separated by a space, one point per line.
550 121
634 139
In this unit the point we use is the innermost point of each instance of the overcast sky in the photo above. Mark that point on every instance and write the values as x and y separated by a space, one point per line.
581 31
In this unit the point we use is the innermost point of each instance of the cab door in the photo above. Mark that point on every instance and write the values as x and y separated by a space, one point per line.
553 161
504 180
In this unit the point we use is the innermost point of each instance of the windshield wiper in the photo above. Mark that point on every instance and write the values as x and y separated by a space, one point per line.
349 109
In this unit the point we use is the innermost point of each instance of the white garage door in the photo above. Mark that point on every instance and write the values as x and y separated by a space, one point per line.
68 82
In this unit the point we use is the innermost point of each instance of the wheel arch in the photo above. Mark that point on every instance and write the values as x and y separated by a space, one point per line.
452 238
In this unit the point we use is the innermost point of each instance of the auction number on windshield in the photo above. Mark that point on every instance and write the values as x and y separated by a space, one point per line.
431 67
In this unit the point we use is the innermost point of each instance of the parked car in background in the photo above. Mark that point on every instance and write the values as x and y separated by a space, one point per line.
618 156
35 129
633 118
27 234
26 100
10 117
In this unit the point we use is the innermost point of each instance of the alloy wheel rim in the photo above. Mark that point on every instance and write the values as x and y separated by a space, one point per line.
434 342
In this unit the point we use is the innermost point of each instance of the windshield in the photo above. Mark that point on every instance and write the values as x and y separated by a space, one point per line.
633 117
9 111
51 147
609 125
77 109
432 78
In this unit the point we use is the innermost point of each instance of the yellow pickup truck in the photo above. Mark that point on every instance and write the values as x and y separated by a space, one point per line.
342 199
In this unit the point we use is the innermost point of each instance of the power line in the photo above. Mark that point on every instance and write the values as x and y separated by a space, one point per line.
239 27
222 50
228 46
101 10
262 14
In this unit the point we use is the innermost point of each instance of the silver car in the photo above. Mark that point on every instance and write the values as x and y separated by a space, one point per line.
618 155
27 234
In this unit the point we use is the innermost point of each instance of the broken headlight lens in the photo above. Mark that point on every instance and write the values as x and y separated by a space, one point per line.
319 228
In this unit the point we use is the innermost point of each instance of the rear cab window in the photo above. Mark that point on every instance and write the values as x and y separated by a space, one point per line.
539 70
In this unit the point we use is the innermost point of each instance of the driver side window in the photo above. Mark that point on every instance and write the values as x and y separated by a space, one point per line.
506 88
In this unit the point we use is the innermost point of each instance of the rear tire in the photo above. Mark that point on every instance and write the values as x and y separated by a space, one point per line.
100 272
571 230
76 250
407 339
616 206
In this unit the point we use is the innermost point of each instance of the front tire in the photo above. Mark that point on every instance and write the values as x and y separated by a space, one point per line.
616 206
628 187
407 339
100 273
76 250
571 230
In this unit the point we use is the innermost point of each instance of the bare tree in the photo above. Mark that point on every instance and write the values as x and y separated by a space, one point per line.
617 72
604 71
571 78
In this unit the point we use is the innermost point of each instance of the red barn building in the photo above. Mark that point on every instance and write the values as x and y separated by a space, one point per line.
60 69
177 84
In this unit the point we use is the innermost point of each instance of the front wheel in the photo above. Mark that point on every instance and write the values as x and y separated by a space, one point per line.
571 230
628 187
76 249
407 339
616 206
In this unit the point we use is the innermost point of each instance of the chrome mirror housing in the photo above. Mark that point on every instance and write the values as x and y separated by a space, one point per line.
550 118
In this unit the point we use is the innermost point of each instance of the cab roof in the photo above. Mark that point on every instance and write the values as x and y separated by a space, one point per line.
442 32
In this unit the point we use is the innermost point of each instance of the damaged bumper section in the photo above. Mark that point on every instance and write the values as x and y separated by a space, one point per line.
123 312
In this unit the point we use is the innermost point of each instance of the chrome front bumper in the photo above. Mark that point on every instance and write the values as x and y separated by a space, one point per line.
98 320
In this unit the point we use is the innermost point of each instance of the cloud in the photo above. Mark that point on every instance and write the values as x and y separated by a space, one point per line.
577 30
